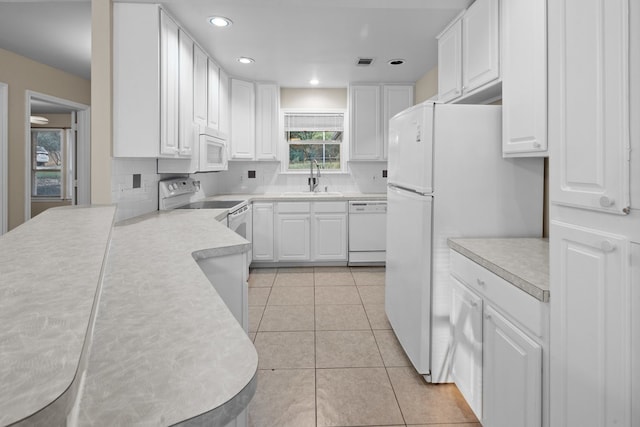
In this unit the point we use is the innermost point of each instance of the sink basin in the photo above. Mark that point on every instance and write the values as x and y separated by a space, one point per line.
310 194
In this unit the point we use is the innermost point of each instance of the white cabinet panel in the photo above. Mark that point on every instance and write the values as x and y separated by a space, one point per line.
589 103
267 112
512 369
243 113
169 86
185 95
293 237
136 90
466 353
590 327
330 237
224 114
199 86
395 98
480 44
450 63
213 94
263 236
366 142
524 77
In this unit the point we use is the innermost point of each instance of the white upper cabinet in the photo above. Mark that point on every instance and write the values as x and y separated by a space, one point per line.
136 90
199 86
366 141
243 116
213 95
589 103
370 108
186 95
450 63
267 118
469 55
524 77
480 44
395 98
591 327
224 112
169 86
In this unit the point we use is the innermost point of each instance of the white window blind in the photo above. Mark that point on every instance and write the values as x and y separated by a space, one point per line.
299 122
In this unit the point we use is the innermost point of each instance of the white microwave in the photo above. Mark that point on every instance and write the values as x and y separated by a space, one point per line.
213 150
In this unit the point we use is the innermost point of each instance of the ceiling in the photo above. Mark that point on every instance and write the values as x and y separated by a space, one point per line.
292 41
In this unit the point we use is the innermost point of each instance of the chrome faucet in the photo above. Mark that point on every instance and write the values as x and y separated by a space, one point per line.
314 181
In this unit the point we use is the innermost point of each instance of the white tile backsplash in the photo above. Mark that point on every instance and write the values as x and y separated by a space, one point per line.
364 177
134 201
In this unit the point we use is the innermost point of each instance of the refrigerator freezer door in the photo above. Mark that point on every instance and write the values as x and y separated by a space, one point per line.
411 149
408 273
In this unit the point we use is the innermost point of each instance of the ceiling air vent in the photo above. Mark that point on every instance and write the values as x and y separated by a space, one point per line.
364 62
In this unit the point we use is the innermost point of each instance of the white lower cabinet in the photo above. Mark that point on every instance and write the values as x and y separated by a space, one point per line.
262 241
293 236
499 339
512 374
330 231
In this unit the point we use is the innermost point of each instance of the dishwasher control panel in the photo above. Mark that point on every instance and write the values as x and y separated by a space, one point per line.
368 206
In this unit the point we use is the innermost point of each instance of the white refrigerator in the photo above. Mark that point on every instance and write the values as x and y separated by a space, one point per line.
447 178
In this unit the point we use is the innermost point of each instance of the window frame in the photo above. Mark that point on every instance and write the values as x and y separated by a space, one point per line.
284 144
62 169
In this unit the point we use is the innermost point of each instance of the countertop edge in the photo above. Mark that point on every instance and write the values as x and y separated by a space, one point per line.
522 284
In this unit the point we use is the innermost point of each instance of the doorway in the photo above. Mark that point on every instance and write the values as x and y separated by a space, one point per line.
58 153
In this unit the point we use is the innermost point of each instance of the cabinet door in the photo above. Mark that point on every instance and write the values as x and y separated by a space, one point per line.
450 63
395 99
466 353
293 237
185 95
224 114
480 44
199 86
169 86
243 113
366 141
262 231
267 116
213 94
524 77
512 375
591 327
330 237
589 103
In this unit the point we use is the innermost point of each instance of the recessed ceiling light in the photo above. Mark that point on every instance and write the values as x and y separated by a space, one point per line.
314 82
245 60
396 62
220 21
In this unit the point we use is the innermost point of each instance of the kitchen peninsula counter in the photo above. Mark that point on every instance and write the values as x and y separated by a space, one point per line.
164 348
523 262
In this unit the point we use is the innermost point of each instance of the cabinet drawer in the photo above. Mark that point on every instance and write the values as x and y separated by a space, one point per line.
294 207
523 308
330 207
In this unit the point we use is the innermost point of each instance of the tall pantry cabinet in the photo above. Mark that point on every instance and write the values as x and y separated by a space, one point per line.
594 139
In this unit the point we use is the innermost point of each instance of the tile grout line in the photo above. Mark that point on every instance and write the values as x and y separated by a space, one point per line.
315 358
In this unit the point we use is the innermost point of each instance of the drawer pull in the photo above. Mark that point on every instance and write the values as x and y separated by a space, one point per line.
487 316
480 282
474 304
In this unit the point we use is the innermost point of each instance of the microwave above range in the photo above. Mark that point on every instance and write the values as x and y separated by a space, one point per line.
210 154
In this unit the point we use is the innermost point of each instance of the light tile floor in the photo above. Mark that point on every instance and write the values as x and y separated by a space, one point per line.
328 356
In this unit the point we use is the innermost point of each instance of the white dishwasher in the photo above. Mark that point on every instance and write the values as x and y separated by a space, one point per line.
367 232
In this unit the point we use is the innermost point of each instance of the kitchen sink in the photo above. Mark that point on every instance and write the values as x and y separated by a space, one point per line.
311 194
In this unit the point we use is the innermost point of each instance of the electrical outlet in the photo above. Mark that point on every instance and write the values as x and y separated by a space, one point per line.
252 174
384 173
137 179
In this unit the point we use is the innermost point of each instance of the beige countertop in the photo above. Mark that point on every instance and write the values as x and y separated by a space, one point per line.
165 349
523 262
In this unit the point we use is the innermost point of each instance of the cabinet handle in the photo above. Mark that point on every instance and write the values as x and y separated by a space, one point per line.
536 145
474 304
606 202
480 282
487 316
607 246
